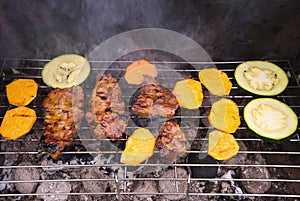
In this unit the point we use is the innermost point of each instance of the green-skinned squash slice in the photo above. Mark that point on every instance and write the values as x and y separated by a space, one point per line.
270 119
66 71
261 78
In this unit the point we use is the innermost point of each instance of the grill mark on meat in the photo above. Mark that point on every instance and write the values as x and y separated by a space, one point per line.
171 141
62 118
106 108
154 100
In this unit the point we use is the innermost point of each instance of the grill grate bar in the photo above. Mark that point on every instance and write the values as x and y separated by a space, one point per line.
188 139
160 194
153 165
152 179
113 152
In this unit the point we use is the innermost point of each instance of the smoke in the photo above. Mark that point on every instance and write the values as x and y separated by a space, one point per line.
159 46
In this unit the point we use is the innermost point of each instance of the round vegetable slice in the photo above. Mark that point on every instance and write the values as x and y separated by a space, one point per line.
17 122
221 145
66 71
215 81
224 115
261 78
139 147
270 119
188 93
21 91
136 71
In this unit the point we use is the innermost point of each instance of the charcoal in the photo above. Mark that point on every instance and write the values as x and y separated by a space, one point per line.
256 173
6 175
2 186
169 186
1 161
211 187
225 187
145 186
202 171
97 186
251 172
53 167
197 187
230 186
54 187
23 174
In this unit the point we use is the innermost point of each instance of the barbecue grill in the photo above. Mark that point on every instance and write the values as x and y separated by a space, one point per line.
221 180
89 169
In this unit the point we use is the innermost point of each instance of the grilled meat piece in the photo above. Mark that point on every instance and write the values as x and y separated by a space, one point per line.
105 108
154 100
171 141
62 118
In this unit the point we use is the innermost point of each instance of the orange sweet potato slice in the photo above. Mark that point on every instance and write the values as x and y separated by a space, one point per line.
21 92
136 71
215 81
188 93
139 147
224 115
17 122
221 145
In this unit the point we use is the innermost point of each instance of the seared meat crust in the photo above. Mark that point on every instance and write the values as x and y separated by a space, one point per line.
171 141
154 100
105 108
62 118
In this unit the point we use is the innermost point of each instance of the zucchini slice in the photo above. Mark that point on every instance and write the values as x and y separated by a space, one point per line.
261 78
270 119
66 71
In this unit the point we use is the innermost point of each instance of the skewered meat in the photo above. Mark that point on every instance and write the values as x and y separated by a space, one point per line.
62 118
105 108
171 140
154 100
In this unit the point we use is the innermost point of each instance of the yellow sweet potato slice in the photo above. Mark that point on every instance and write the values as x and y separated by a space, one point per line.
224 115
139 147
188 93
21 92
215 81
137 70
17 122
221 145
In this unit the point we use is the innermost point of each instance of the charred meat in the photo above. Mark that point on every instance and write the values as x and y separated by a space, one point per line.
154 100
171 141
62 118
106 108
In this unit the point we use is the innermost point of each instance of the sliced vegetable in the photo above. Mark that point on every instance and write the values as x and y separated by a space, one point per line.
17 122
224 115
221 145
21 92
66 71
136 71
215 81
270 119
261 78
188 93
139 147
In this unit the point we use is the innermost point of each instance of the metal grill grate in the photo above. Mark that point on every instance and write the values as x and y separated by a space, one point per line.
283 158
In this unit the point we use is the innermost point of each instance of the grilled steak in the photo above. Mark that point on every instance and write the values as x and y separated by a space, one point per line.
171 140
62 118
105 108
154 100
